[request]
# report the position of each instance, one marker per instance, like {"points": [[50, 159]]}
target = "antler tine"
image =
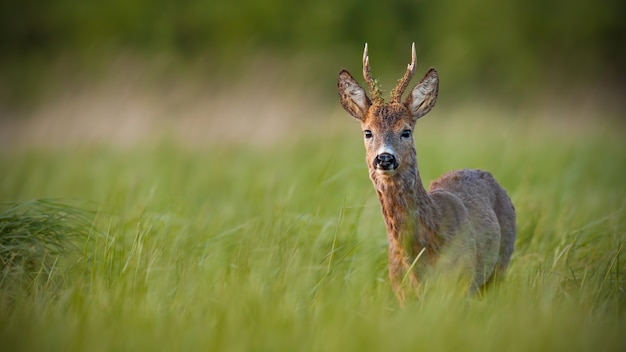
{"points": [[367, 74], [397, 92]]}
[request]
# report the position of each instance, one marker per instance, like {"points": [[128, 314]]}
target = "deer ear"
{"points": [[424, 95], [352, 97]]}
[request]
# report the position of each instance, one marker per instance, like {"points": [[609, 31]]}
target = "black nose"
{"points": [[385, 161]]}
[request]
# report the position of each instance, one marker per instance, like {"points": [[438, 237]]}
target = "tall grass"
{"points": [[234, 247], [37, 245]]}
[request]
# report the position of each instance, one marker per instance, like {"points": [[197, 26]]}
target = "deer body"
{"points": [[466, 218]]}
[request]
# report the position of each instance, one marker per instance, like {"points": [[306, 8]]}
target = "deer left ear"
{"points": [[352, 96], [424, 95]]}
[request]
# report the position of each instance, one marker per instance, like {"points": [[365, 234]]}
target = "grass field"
{"points": [[281, 246]]}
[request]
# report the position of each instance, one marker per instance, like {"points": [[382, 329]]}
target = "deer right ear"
{"points": [[352, 97], [424, 95]]}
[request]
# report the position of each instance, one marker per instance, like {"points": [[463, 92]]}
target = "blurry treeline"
{"points": [[504, 46]]}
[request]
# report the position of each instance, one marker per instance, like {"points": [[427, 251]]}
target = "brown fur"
{"points": [[466, 214]]}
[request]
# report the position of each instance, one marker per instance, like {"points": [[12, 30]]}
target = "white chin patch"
{"points": [[385, 172]]}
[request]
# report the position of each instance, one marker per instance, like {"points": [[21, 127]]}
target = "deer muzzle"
{"points": [[385, 162]]}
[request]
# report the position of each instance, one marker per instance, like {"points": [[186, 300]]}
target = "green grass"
{"points": [[282, 247]]}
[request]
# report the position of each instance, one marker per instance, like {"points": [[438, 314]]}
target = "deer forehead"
{"points": [[388, 117]]}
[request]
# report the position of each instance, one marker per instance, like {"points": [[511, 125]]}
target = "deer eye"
{"points": [[406, 134], [367, 134]]}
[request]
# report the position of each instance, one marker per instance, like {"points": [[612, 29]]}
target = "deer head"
{"points": [[388, 127]]}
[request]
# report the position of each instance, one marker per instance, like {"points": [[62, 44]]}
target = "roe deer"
{"points": [[466, 214]]}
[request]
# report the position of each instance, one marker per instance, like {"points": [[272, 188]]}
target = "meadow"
{"points": [[166, 245]]}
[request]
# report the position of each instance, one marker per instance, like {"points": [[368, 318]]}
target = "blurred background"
{"points": [[121, 71]]}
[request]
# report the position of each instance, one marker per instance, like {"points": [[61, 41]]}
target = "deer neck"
{"points": [[409, 212]]}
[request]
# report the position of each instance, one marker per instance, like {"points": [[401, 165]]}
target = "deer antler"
{"points": [[367, 74], [397, 92]]}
